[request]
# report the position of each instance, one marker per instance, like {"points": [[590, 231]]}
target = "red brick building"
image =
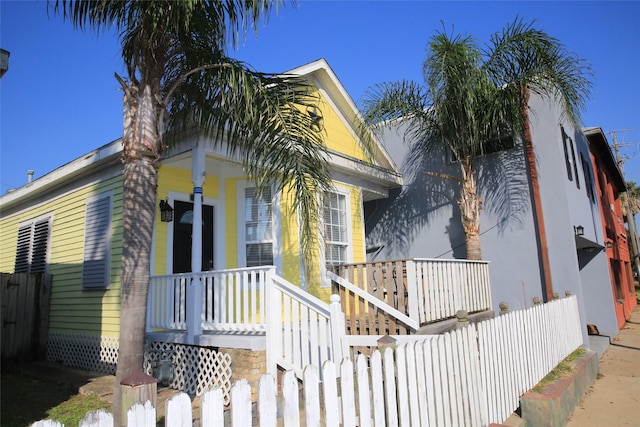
{"points": [[609, 183]]}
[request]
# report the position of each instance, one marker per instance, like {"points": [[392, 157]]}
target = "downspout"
{"points": [[536, 201]]}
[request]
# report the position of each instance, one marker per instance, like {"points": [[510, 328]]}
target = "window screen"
{"points": [[335, 228], [258, 227]]}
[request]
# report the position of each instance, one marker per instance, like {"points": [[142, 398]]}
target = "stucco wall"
{"points": [[423, 220]]}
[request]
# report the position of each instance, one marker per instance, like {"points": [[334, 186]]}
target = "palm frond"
{"points": [[263, 121], [526, 57]]}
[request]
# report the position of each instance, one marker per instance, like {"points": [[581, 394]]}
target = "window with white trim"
{"points": [[336, 240], [32, 249], [97, 242], [258, 226]]}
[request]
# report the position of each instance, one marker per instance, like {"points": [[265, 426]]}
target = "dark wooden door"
{"points": [[182, 227]]}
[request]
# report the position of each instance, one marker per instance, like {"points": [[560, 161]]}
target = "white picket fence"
{"points": [[473, 376]]}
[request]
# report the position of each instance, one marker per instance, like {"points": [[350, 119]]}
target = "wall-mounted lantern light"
{"points": [[579, 230], [609, 244], [166, 211]]}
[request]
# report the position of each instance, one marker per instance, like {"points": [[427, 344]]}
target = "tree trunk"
{"points": [[470, 206], [140, 154]]}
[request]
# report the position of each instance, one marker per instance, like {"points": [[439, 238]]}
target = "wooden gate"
{"points": [[25, 315]]}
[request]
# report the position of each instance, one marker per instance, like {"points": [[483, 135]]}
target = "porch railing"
{"points": [[302, 330], [392, 298], [426, 290], [221, 300]]}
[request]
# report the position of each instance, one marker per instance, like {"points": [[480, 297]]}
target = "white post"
{"points": [[198, 175], [337, 329], [274, 327], [412, 289], [194, 294]]}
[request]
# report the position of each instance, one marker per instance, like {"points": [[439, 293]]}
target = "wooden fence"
{"points": [[473, 376], [25, 302]]}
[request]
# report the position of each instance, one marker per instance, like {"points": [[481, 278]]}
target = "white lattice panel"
{"points": [[196, 369], [90, 352]]}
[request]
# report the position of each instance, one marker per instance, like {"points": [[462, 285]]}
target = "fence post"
{"points": [[536, 301], [412, 288], [337, 329], [385, 342], [137, 388], [463, 319], [504, 308]]}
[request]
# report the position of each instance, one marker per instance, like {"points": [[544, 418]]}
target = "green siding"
{"points": [[73, 310]]}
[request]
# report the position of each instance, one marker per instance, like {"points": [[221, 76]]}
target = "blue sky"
{"points": [[59, 99]]}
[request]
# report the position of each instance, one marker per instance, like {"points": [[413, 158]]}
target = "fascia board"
{"points": [[87, 163], [372, 173], [320, 71]]}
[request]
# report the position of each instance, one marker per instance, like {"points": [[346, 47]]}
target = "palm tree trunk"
{"points": [[140, 154], [470, 206]]}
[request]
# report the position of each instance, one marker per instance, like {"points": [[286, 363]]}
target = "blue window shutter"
{"points": [[97, 244]]}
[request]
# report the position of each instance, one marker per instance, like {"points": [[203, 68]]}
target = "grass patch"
{"points": [[25, 400], [564, 369], [73, 410]]}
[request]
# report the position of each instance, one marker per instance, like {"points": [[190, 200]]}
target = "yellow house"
{"points": [[68, 223]]}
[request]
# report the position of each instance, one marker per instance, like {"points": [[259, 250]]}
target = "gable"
{"points": [[340, 118], [339, 136]]}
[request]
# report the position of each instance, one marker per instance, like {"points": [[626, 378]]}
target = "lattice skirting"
{"points": [[89, 352], [195, 369]]}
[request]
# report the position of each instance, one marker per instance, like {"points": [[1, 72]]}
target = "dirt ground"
{"points": [[614, 397]]}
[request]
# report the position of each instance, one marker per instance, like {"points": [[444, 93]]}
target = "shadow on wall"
{"points": [[504, 185], [429, 196]]}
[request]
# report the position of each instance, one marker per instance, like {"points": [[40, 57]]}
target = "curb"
{"points": [[554, 405]]}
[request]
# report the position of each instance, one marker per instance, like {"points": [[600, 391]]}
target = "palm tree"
{"points": [[474, 97], [630, 207], [633, 194], [179, 79]]}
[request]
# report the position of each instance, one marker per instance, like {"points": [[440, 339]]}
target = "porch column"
{"points": [[194, 296]]}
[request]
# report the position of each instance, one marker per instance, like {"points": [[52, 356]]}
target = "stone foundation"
{"points": [[249, 365]]}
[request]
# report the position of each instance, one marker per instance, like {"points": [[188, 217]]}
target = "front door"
{"points": [[182, 225]]}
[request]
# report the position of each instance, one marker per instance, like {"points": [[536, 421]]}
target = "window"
{"points": [[33, 245], [258, 225], [588, 179], [335, 228], [97, 242], [567, 157], [570, 157], [575, 164]]}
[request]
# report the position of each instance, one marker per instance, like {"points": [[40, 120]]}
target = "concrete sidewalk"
{"points": [[614, 397]]}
